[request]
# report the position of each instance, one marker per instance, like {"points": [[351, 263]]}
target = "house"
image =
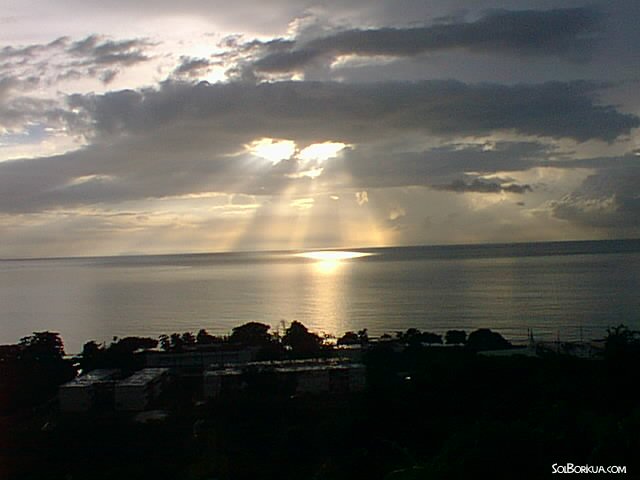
{"points": [[136, 392], [85, 391]]}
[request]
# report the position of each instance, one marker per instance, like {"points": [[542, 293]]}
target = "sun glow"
{"points": [[328, 261], [272, 149], [332, 256], [321, 151]]}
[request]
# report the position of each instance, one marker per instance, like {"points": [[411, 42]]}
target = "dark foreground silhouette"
{"points": [[433, 409]]}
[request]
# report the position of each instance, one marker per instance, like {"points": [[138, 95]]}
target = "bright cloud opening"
{"points": [[321, 151], [272, 149]]}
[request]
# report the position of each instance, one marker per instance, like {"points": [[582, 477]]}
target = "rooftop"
{"points": [[94, 376], [142, 377]]}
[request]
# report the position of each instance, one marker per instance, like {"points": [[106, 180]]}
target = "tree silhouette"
{"points": [[453, 337], [43, 346], [349, 338], [204, 338], [301, 341], [188, 338], [430, 338], [485, 339], [622, 344], [251, 334]]}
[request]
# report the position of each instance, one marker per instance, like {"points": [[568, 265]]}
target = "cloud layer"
{"points": [[317, 122], [568, 33]]}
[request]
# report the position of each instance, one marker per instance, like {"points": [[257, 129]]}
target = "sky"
{"points": [[202, 126]]}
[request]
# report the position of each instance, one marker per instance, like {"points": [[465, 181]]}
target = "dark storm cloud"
{"points": [[310, 111], [483, 186], [568, 33]]}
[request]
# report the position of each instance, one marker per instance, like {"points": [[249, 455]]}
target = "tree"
{"points": [[176, 341], [42, 367], [455, 337], [301, 341], [188, 338], [42, 346], [412, 335], [621, 343], [349, 338], [430, 338], [92, 356], [131, 344], [251, 334], [485, 339], [165, 342], [204, 338]]}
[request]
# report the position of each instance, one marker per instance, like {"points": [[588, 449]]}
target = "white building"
{"points": [[137, 391], [80, 394]]}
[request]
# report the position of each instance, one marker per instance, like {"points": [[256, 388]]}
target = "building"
{"points": [[217, 382], [140, 389], [87, 390], [292, 376], [197, 359]]}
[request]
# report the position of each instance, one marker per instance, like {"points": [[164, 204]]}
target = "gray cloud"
{"points": [[438, 166], [483, 186], [22, 53], [301, 110], [608, 200], [29, 67], [183, 138], [108, 76], [193, 67], [96, 50], [568, 33], [93, 57], [18, 110]]}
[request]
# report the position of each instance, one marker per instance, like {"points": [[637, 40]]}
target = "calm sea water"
{"points": [[568, 289]]}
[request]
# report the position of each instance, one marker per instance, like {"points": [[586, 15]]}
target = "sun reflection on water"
{"points": [[329, 276], [328, 261], [332, 255]]}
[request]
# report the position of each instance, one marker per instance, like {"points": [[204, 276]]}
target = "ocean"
{"points": [[565, 290]]}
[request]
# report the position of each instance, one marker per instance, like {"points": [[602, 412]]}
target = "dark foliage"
{"points": [[204, 338], [485, 339], [455, 337], [301, 341], [428, 413], [349, 338], [31, 371], [42, 346], [119, 354], [251, 334]]}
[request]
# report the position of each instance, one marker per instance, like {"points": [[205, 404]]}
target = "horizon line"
{"points": [[311, 249]]}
